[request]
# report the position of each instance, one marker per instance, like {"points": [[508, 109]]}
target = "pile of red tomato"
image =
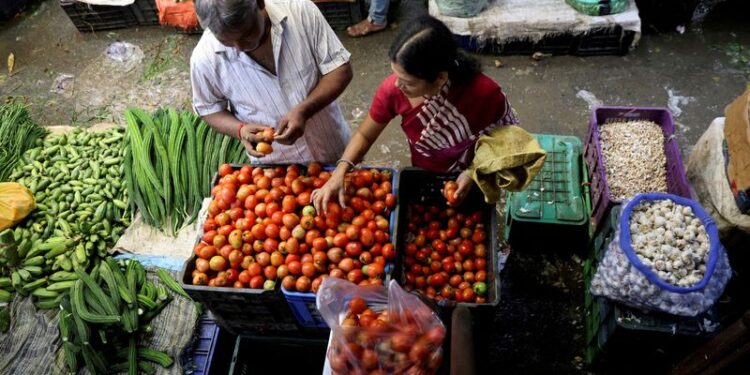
{"points": [[261, 229], [446, 254], [376, 342]]}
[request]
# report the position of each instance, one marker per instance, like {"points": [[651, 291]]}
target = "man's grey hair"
{"points": [[221, 16]]}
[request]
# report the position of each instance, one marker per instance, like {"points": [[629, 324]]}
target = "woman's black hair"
{"points": [[425, 47]]}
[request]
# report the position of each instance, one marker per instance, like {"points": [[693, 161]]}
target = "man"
{"points": [[273, 63]]}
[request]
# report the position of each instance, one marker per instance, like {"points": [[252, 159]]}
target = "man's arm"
{"points": [[329, 88]]}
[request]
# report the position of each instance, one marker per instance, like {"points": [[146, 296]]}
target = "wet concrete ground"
{"points": [[539, 326]]}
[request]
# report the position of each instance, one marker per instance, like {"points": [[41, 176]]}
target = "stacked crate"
{"points": [[555, 203]]}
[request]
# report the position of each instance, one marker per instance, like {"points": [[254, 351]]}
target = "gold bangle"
{"points": [[351, 165]]}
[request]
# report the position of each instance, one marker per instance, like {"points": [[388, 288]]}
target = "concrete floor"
{"points": [[699, 71]]}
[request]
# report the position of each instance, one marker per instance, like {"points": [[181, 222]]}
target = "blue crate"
{"points": [[209, 353], [303, 304]]}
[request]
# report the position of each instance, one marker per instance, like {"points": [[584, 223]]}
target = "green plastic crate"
{"points": [[605, 319], [557, 199]]}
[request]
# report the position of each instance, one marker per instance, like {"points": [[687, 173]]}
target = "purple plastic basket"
{"points": [[600, 196]]}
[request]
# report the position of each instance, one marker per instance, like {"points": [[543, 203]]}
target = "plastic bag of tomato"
{"points": [[375, 329], [262, 231]]}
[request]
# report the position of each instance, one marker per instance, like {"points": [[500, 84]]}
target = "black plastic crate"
{"points": [[9, 8], [340, 14], [610, 325], [146, 12], [242, 311], [420, 186], [88, 18], [259, 355], [598, 42]]}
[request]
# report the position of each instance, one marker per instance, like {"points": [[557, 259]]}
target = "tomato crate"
{"points": [[601, 201], [243, 311], [210, 353], [340, 13], [303, 304], [609, 325], [423, 187], [89, 18], [557, 202]]}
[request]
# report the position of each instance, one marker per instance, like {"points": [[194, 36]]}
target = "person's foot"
{"points": [[365, 27]]}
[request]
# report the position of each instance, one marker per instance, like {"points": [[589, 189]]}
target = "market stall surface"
{"points": [[67, 78]]}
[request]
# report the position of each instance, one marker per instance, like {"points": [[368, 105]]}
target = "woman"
{"points": [[444, 101]]}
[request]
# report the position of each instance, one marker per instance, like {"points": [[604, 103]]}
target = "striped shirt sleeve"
{"points": [[207, 98], [327, 49]]}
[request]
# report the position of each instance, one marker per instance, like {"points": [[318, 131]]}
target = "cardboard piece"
{"points": [[737, 134]]}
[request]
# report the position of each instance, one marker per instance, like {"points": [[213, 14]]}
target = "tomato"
{"points": [[455, 280], [270, 245], [436, 280], [353, 249], [468, 295], [207, 252], [352, 232], [388, 251], [374, 270], [288, 282], [271, 231], [200, 278], [307, 222], [466, 248], [269, 272], [308, 269], [314, 169], [448, 292], [302, 284], [263, 259], [304, 199], [357, 305], [225, 169], [235, 258], [276, 259], [247, 260], [256, 282], [202, 265], [478, 236], [367, 237], [235, 239], [217, 263], [355, 276], [295, 267], [271, 208], [346, 264]]}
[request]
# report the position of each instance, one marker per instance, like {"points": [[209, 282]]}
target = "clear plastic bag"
{"points": [[642, 280], [398, 333]]}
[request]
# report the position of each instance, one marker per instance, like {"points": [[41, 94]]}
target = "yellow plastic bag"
{"points": [[16, 201]]}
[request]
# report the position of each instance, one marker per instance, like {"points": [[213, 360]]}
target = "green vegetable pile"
{"points": [[106, 313], [169, 161], [82, 210], [17, 134]]}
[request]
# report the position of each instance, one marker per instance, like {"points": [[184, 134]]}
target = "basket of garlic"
{"points": [[665, 256]]}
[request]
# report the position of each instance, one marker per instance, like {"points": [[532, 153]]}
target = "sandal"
{"points": [[364, 27]]}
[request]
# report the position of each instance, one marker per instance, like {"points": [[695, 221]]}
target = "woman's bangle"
{"points": [[351, 165], [239, 130]]}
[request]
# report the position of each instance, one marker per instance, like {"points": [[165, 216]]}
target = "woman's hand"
{"points": [[465, 182], [334, 187]]}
